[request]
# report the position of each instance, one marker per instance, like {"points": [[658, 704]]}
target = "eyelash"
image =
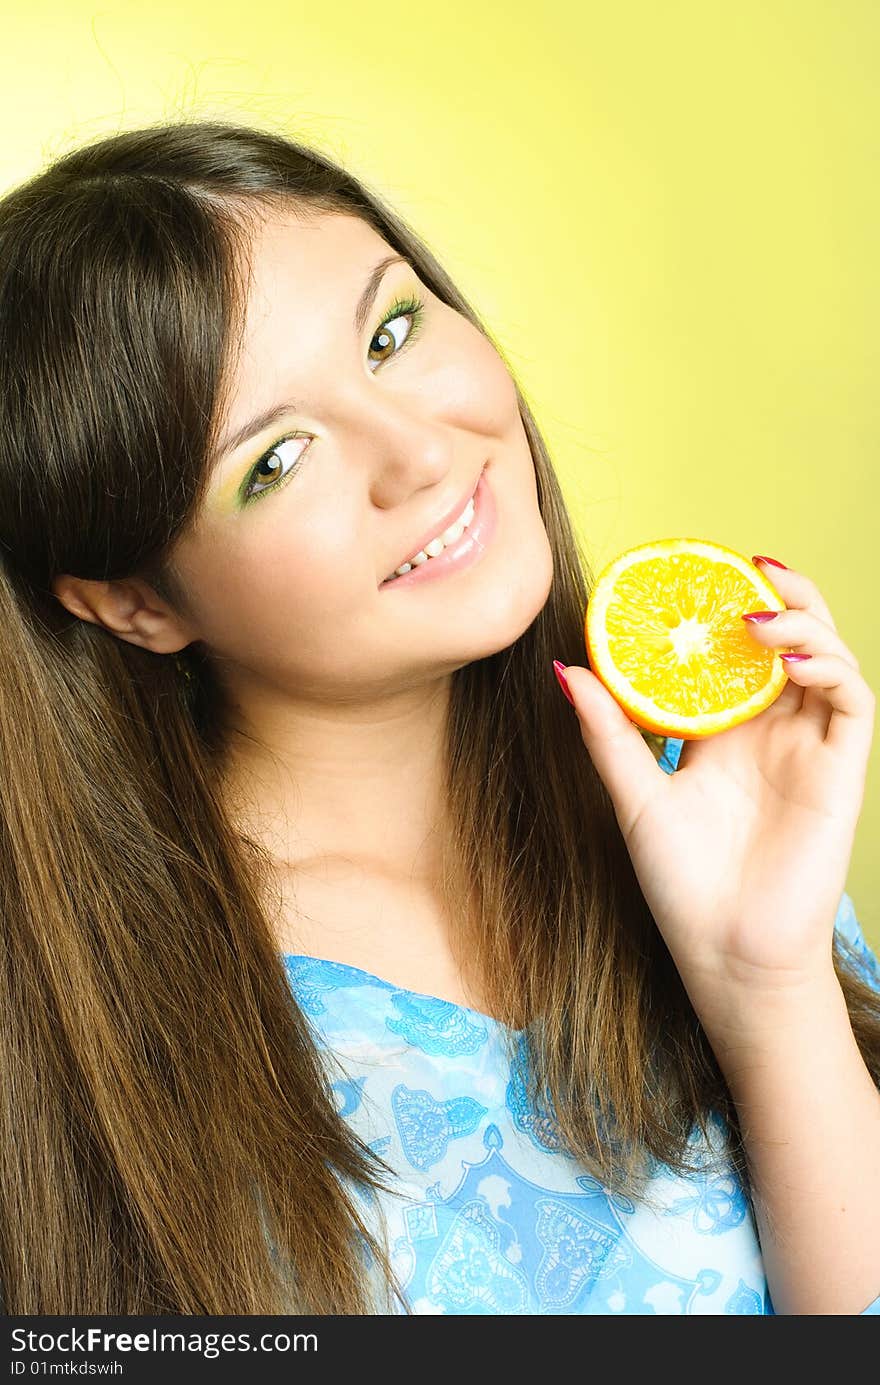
{"points": [[401, 307]]}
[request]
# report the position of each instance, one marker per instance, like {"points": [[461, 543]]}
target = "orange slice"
{"points": [[664, 634]]}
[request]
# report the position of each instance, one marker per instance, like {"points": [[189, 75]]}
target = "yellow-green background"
{"points": [[669, 214]]}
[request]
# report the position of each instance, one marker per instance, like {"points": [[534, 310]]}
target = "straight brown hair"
{"points": [[169, 1139]]}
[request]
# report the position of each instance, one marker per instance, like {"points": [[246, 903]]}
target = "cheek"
{"points": [[280, 588], [471, 386]]}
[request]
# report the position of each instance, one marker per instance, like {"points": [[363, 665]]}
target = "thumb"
{"points": [[622, 757]]}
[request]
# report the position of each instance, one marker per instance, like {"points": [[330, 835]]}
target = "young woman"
{"points": [[344, 968]]}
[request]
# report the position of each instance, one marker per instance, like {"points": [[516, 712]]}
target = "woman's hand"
{"points": [[742, 854]]}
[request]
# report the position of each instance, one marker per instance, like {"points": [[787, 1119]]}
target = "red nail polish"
{"points": [[759, 617], [795, 658], [558, 670], [758, 558]]}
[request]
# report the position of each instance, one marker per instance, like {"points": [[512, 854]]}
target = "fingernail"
{"points": [[795, 658], [760, 616], [558, 669], [758, 558]]}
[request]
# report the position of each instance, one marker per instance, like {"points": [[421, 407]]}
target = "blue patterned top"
{"points": [[490, 1214]]}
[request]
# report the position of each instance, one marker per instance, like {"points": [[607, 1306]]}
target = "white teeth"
{"points": [[454, 532], [436, 546]]}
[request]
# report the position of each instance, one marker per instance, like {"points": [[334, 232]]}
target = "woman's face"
{"points": [[398, 423]]}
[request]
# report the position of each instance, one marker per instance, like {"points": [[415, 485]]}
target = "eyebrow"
{"points": [[272, 415]]}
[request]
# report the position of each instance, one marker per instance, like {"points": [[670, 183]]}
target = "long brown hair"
{"points": [[169, 1141]]}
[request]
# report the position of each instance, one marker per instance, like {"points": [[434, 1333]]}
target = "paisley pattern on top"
{"points": [[489, 1214]]}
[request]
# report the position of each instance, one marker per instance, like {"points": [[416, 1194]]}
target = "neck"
{"points": [[359, 782]]}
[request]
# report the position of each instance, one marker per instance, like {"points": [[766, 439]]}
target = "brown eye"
{"points": [[264, 475], [386, 341], [273, 466], [404, 311]]}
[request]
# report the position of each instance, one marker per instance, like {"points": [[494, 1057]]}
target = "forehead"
{"points": [[304, 271], [309, 259]]}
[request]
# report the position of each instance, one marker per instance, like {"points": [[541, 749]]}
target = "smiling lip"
{"points": [[466, 550], [444, 524]]}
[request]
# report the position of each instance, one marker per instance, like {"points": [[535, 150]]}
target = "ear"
{"points": [[129, 608]]}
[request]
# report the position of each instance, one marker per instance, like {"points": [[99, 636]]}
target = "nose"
{"points": [[403, 449]]}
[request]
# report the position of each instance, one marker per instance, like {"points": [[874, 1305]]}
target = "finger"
{"points": [[851, 725], [802, 631], [797, 590], [622, 757]]}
